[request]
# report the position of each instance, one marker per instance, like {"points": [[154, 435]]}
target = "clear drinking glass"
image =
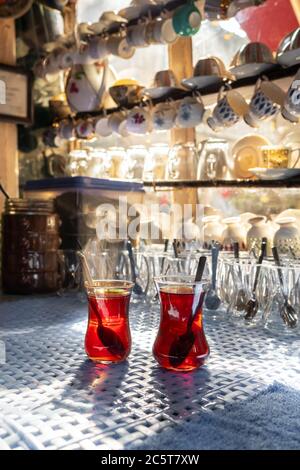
{"points": [[99, 164], [119, 160], [181, 343], [137, 154], [282, 298], [243, 275], [108, 336], [156, 162], [182, 162], [77, 163]]}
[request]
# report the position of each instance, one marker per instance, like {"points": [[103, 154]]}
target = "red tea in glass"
{"points": [[181, 343], [108, 336]]}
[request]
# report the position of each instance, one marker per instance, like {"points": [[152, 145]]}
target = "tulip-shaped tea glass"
{"points": [[181, 343], [108, 336]]}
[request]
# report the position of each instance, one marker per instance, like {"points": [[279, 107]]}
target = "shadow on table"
{"points": [[95, 385], [183, 392]]}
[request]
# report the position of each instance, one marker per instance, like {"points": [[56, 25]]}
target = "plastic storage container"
{"points": [[76, 200]]}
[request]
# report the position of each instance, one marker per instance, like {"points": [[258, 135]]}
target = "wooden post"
{"points": [[9, 166], [70, 17], [181, 62], [296, 7]]}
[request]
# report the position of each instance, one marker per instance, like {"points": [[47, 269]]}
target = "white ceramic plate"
{"points": [[275, 173], [245, 154], [201, 82], [249, 70]]}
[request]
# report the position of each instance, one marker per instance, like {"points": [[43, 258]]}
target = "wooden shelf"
{"points": [[159, 185]]}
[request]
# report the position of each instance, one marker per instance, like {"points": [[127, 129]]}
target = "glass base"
{"points": [[101, 361]]}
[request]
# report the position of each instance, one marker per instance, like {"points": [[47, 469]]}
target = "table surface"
{"points": [[53, 397]]}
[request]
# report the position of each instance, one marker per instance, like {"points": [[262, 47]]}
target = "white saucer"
{"points": [[289, 58], [160, 92], [275, 173], [250, 70], [246, 154], [201, 82]]}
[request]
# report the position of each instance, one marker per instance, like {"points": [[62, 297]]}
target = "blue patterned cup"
{"points": [[228, 111], [190, 112], [265, 104], [291, 107]]}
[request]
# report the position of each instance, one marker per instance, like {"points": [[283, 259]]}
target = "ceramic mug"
{"points": [[66, 129], [164, 115], [187, 19], [117, 122], [120, 47], [291, 107], [66, 59], [165, 78], [139, 120], [266, 102], [137, 35], [190, 112], [160, 31], [278, 156], [102, 128], [85, 129], [229, 109], [95, 50], [60, 59]]}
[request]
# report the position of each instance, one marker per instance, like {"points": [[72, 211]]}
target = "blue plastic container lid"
{"points": [[83, 182]]}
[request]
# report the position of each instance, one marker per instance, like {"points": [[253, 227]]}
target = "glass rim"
{"points": [[284, 268], [177, 279], [109, 283]]}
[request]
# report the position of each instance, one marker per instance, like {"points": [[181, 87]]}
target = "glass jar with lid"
{"points": [[156, 162], [99, 164], [182, 162], [30, 242]]}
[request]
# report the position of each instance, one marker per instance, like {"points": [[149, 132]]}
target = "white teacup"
{"points": [[164, 115], [137, 35], [102, 128], [85, 129], [229, 109], [291, 107], [120, 47], [266, 102], [161, 31], [117, 121], [190, 112], [66, 129], [139, 120]]}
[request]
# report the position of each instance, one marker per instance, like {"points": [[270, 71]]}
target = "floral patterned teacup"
{"points": [[190, 112], [164, 115], [139, 120]]}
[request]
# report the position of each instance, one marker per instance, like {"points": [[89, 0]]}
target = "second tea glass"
{"points": [[181, 344]]}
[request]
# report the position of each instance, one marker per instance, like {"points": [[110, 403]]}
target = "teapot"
{"points": [[86, 86]]}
